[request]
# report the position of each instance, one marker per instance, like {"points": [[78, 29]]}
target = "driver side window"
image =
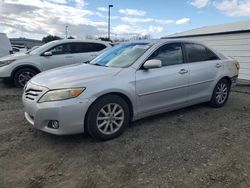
{"points": [[60, 49], [169, 54]]}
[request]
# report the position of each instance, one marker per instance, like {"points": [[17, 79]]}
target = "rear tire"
{"points": [[22, 76], [107, 118], [220, 94]]}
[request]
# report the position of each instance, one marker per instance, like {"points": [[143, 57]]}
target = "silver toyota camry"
{"points": [[128, 82]]}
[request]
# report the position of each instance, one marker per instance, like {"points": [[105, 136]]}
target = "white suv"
{"points": [[20, 68]]}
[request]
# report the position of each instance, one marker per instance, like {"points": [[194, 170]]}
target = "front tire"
{"points": [[22, 76], [107, 118], [220, 94]]}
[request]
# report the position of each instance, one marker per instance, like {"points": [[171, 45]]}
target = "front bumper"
{"points": [[5, 71], [69, 113]]}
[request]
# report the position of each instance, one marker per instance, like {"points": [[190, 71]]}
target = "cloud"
{"points": [[58, 1], [183, 21], [37, 18], [199, 3], [234, 7], [145, 20], [103, 9], [155, 29], [80, 3], [132, 12], [133, 21], [47, 17], [128, 30]]}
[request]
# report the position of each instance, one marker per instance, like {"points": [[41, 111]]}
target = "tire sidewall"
{"points": [[214, 102], [94, 110], [16, 75]]}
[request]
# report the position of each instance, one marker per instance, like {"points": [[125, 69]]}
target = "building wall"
{"points": [[234, 45]]}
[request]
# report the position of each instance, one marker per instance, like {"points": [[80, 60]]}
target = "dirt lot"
{"points": [[194, 147]]}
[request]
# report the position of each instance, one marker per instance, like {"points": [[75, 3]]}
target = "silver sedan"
{"points": [[128, 82]]}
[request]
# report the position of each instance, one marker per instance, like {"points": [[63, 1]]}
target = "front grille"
{"points": [[33, 92]]}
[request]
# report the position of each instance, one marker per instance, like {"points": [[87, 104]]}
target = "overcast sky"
{"points": [[37, 18]]}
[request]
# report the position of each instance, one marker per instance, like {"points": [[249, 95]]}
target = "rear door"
{"points": [[166, 87], [205, 68], [61, 56], [86, 51]]}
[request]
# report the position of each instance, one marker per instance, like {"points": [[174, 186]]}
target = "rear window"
{"points": [[197, 53], [211, 55]]}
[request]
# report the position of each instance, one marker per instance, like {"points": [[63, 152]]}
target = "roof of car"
{"points": [[160, 41], [79, 40]]}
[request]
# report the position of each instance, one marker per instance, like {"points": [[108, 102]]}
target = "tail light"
{"points": [[237, 65]]}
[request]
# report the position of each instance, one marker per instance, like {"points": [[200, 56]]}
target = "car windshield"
{"points": [[122, 55]]}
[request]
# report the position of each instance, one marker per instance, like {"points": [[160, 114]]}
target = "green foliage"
{"points": [[50, 38], [104, 39]]}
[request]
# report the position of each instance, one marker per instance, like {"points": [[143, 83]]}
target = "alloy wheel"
{"points": [[24, 77], [110, 118], [221, 93]]}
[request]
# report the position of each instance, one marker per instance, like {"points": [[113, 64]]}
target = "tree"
{"points": [[105, 39], [50, 38]]}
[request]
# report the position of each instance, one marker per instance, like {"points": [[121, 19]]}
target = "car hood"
{"points": [[16, 56], [73, 76]]}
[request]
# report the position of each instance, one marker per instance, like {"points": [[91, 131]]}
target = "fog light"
{"points": [[54, 124]]}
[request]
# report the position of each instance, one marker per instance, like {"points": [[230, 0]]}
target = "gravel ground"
{"points": [[194, 147]]}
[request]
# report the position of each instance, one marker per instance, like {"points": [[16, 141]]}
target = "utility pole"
{"points": [[110, 6], [66, 31]]}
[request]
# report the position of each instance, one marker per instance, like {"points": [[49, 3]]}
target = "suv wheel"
{"points": [[22, 76], [220, 94], [107, 117]]}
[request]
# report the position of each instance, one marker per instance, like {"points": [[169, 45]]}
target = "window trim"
{"points": [[182, 49], [42, 54], [206, 48]]}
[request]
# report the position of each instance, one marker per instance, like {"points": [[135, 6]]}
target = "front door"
{"points": [[166, 87], [61, 56]]}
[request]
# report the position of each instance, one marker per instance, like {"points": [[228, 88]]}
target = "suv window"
{"points": [[197, 52], [169, 54], [60, 49], [97, 47], [79, 47], [86, 47]]}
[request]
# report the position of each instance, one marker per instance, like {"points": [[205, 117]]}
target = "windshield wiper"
{"points": [[99, 65]]}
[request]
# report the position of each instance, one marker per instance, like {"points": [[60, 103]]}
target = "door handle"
{"points": [[69, 56], [183, 71], [218, 65]]}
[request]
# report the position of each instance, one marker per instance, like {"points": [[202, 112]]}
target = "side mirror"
{"points": [[151, 64], [47, 54]]}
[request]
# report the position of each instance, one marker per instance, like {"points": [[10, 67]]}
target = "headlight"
{"points": [[61, 94], [6, 62]]}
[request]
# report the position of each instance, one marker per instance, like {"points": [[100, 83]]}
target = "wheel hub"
{"points": [[110, 118]]}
